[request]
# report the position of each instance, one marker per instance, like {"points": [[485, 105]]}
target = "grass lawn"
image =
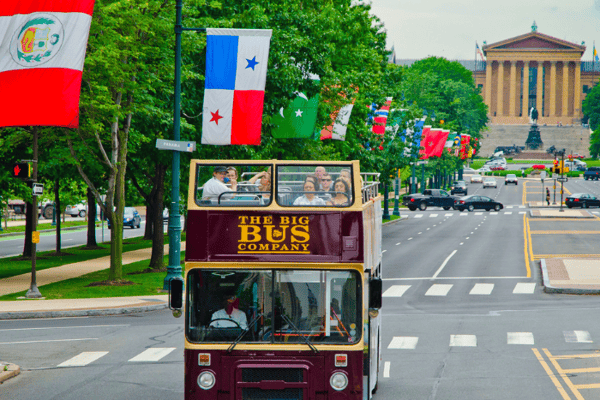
{"points": [[15, 266], [46, 226], [392, 218], [143, 284]]}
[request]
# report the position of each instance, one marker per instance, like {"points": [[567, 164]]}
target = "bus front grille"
{"points": [[277, 394], [273, 374]]}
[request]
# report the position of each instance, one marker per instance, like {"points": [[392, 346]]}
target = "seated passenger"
{"points": [[230, 311], [342, 193], [345, 174], [309, 198], [216, 185], [232, 175], [264, 185]]}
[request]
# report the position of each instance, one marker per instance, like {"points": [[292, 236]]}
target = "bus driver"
{"points": [[230, 311]]}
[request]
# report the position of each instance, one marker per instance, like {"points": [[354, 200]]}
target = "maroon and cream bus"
{"points": [[282, 281]]}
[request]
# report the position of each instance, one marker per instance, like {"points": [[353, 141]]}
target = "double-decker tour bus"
{"points": [[282, 281]]}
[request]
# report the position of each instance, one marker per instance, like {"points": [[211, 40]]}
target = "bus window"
{"points": [[314, 186], [265, 306], [233, 185]]}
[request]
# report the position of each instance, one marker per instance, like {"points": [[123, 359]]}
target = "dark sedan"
{"points": [[583, 200], [477, 203], [131, 218], [459, 187]]}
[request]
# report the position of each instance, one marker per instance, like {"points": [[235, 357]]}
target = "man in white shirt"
{"points": [[230, 311], [216, 185]]}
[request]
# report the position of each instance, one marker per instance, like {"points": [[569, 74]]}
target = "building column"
{"points": [[513, 89], [565, 90], [552, 89], [540, 88], [500, 106], [488, 86], [525, 109], [577, 91]]}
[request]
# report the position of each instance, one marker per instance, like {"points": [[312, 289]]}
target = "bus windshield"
{"points": [[274, 306]]}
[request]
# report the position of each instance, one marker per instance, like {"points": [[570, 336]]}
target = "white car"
{"points": [[476, 179], [78, 210], [511, 178], [489, 182], [484, 169]]}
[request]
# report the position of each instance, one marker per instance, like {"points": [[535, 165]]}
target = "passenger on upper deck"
{"points": [[319, 173], [262, 185], [216, 185], [345, 174], [230, 311], [326, 182], [342, 193], [232, 175], [309, 198]]}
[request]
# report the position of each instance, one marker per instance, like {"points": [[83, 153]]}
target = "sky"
{"points": [[443, 28]]}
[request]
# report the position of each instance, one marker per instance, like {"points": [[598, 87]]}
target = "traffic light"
{"points": [[556, 168], [20, 170]]}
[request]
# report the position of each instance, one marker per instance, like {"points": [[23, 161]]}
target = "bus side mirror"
{"points": [[375, 293], [176, 296]]}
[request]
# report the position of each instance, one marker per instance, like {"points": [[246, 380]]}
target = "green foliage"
{"points": [[595, 143], [591, 108]]}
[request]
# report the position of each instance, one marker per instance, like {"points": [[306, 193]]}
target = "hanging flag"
{"points": [[433, 141], [414, 136], [464, 143], [450, 140], [298, 120], [596, 54], [340, 118], [42, 50], [479, 51], [381, 116], [234, 88]]}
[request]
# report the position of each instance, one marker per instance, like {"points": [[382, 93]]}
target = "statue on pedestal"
{"points": [[533, 115]]}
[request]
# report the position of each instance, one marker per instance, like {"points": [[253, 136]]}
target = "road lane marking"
{"points": [[428, 228], [509, 206], [524, 288], [478, 213], [451, 215], [419, 216], [439, 289], [419, 233], [386, 369], [494, 213], [396, 291], [553, 377], [443, 264], [461, 243], [49, 341], [153, 354], [519, 338], [463, 214], [578, 337], [482, 289], [409, 238], [83, 359], [398, 244], [383, 251], [432, 215], [463, 341], [508, 213], [563, 374], [525, 247], [404, 342], [63, 327]]}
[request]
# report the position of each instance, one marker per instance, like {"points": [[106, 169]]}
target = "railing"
{"points": [[370, 185]]}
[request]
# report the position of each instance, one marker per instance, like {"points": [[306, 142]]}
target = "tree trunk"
{"points": [[27, 249], [148, 230], [158, 236], [57, 214], [91, 231]]}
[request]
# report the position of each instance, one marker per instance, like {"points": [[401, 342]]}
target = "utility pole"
{"points": [[33, 292], [396, 211]]}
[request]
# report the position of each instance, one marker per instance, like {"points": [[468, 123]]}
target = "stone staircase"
{"points": [[575, 138]]}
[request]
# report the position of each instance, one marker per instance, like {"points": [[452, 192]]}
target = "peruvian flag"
{"points": [[234, 88], [42, 50], [432, 141]]}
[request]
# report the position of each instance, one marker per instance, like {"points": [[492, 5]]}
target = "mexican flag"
{"points": [[42, 50], [298, 120]]}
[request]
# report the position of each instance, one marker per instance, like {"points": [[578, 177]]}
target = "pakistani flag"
{"points": [[298, 120]]}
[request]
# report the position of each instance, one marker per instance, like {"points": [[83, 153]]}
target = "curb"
{"points": [[589, 216], [395, 221], [82, 313], [554, 289], [70, 228], [12, 371]]}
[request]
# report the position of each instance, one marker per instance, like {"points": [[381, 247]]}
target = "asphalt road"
{"points": [[465, 317]]}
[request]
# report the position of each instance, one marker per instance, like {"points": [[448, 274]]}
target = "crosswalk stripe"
{"points": [[521, 206], [523, 212], [463, 341], [482, 288], [524, 288], [494, 213], [439, 289], [404, 342], [432, 215], [153, 354], [508, 213], [83, 359], [396, 291], [519, 338], [419, 216], [448, 215], [478, 213], [578, 337], [509, 206], [463, 214]]}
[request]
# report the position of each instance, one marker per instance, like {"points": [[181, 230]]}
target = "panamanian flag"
{"points": [[234, 89], [42, 51]]}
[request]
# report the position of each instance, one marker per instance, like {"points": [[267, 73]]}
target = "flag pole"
{"points": [[475, 67]]}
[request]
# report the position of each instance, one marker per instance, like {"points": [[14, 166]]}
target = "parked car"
{"points": [[484, 169], [511, 178], [489, 182], [476, 179], [498, 168], [469, 170], [477, 202], [583, 200], [131, 218], [576, 156], [459, 187]]}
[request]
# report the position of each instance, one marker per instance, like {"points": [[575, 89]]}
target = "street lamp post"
{"points": [[396, 211]]}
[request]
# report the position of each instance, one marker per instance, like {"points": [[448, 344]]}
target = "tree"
{"points": [[591, 107], [595, 143]]}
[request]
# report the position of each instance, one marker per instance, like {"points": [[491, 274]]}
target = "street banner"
{"points": [[234, 88], [298, 120], [42, 51], [432, 141], [381, 116], [414, 135], [450, 139]]}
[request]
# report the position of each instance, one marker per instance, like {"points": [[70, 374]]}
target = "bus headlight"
{"points": [[206, 380], [338, 381]]}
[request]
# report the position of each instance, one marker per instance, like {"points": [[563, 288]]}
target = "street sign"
{"points": [[422, 162], [176, 145], [543, 175], [35, 237], [38, 189], [562, 179]]}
